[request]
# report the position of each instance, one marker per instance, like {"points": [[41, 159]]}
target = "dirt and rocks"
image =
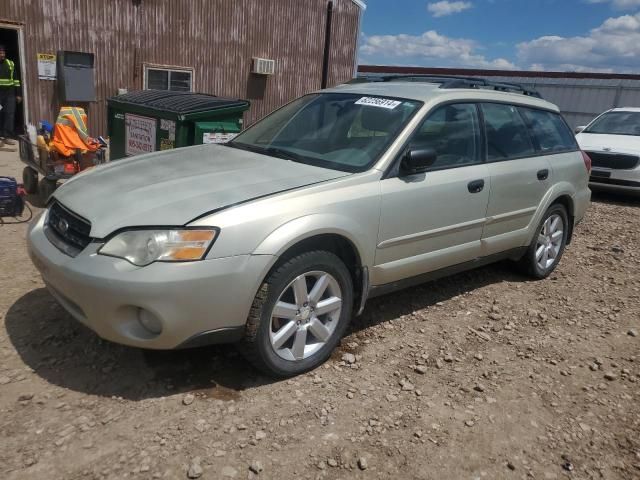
{"points": [[485, 375]]}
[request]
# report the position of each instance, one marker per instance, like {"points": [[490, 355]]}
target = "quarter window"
{"points": [[549, 131], [507, 134], [453, 132]]}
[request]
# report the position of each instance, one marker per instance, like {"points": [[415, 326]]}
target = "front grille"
{"points": [[70, 232], [616, 161]]}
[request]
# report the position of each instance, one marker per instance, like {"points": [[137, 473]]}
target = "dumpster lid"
{"points": [[182, 103]]}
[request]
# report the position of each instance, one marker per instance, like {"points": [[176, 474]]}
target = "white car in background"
{"points": [[612, 141]]}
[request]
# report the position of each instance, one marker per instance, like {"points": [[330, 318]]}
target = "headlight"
{"points": [[142, 247]]}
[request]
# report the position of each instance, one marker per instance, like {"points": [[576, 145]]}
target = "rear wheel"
{"points": [[30, 180], [299, 314], [547, 247]]}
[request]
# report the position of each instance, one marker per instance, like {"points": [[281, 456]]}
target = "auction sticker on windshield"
{"points": [[378, 102]]}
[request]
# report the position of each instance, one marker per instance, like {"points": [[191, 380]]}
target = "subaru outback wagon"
{"points": [[276, 239]]}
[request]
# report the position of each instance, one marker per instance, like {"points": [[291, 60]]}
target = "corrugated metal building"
{"points": [[580, 96], [200, 45]]}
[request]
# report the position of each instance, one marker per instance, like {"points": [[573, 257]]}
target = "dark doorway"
{"points": [[9, 38]]}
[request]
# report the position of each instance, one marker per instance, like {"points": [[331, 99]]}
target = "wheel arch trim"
{"points": [[302, 229], [563, 193]]}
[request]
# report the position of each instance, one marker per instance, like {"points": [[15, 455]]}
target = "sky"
{"points": [[551, 35]]}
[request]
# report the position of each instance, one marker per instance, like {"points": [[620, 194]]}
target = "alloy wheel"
{"points": [[549, 241], [305, 315]]}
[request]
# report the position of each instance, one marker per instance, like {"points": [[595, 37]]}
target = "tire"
{"points": [[270, 342], [532, 263], [30, 180], [46, 188]]}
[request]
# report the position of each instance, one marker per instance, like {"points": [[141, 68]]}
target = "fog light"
{"points": [[149, 321]]}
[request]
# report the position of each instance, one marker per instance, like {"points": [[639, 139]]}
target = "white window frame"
{"points": [[167, 68]]}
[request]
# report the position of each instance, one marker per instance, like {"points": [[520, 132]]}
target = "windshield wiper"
{"points": [[271, 151], [611, 133], [281, 153], [245, 146]]}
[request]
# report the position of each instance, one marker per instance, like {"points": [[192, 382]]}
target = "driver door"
{"points": [[435, 219]]}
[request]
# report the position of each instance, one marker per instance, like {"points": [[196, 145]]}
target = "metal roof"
{"points": [[474, 72]]}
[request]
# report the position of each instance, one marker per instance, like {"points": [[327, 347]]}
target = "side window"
{"points": [[507, 135], [453, 132], [174, 79], [549, 131]]}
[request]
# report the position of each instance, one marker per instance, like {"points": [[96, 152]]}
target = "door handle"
{"points": [[543, 174], [476, 186]]}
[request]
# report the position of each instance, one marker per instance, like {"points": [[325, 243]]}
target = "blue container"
{"points": [[11, 203]]}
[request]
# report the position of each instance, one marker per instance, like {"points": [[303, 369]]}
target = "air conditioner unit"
{"points": [[263, 66]]}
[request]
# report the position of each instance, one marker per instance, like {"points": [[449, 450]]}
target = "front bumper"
{"points": [[615, 180], [191, 300]]}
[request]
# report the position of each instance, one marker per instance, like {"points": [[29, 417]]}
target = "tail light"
{"points": [[70, 167], [20, 190], [587, 161]]}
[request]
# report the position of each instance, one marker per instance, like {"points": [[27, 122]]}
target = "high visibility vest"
{"points": [[71, 134], [10, 82]]}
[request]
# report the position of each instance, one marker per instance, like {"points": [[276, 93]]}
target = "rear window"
{"points": [[507, 135], [549, 131]]}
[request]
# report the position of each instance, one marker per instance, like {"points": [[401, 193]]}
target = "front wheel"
{"points": [[299, 314], [547, 247]]}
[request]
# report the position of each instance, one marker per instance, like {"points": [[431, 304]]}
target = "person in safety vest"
{"points": [[10, 95], [71, 133]]}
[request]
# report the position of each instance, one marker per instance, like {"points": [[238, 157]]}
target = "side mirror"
{"points": [[418, 161], [579, 129]]}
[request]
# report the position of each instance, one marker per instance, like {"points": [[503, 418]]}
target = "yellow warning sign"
{"points": [[46, 66]]}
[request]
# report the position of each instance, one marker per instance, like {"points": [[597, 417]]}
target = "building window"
{"points": [[174, 79]]}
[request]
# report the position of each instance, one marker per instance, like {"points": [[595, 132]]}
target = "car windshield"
{"points": [[340, 131], [616, 123]]}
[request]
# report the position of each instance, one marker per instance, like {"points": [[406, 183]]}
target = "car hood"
{"points": [[598, 142], [172, 188]]}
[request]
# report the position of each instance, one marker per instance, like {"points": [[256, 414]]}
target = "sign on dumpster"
{"points": [[217, 137], [140, 134]]}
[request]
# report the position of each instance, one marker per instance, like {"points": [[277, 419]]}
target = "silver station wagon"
{"points": [[276, 239]]}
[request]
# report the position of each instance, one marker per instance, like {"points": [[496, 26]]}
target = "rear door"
{"points": [[433, 220], [520, 177], [554, 139]]}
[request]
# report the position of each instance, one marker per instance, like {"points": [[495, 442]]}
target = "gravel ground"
{"points": [[485, 375]]}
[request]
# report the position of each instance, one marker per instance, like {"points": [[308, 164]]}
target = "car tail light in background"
{"points": [[70, 167], [587, 161]]}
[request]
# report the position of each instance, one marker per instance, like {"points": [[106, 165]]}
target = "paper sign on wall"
{"points": [[140, 134], [46, 66]]}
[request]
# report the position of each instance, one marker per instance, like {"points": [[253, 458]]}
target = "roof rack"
{"points": [[454, 81]]}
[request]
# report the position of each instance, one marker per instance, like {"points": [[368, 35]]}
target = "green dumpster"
{"points": [[151, 120]]}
